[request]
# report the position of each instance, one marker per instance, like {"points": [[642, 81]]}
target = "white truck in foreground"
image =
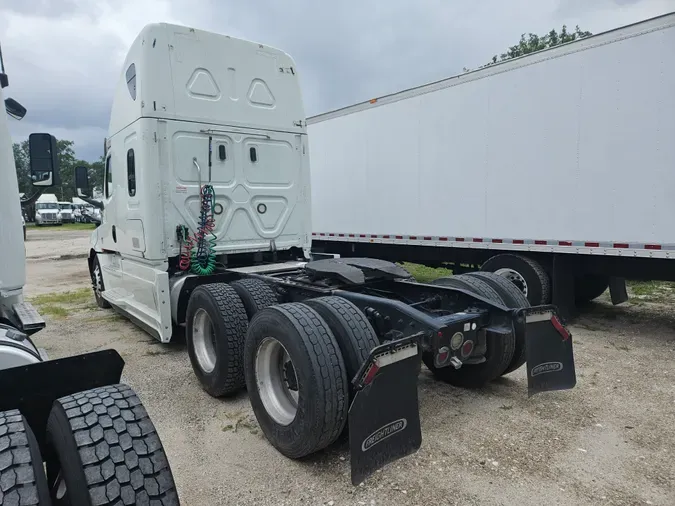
{"points": [[206, 225], [553, 170], [70, 432]]}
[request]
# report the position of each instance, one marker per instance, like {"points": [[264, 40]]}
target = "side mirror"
{"points": [[44, 160], [81, 178], [14, 109]]}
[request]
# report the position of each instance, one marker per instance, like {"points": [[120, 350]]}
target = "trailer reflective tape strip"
{"points": [[646, 250]]}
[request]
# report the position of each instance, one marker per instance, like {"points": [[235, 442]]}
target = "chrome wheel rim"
{"points": [[204, 340], [277, 381], [514, 277], [98, 281]]}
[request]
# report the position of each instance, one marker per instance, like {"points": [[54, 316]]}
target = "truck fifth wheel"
{"points": [[206, 224]]}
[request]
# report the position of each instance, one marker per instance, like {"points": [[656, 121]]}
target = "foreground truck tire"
{"points": [[22, 475], [107, 451], [527, 274], [296, 379], [216, 329], [500, 347]]}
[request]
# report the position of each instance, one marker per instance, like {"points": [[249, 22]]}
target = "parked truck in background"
{"points": [[70, 432], [47, 211], [553, 169], [206, 225]]}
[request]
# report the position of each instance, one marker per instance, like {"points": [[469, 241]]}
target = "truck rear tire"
{"points": [[500, 347], [97, 284], [514, 299], [107, 451], [22, 475], [296, 379], [527, 274], [353, 332], [255, 295], [216, 325], [589, 286]]}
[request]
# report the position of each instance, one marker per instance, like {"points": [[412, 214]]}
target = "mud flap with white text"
{"points": [[384, 419], [550, 357]]}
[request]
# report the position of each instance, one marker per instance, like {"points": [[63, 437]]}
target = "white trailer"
{"points": [[206, 230], [556, 162], [70, 432]]}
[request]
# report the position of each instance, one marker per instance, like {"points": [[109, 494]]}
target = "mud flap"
{"points": [[550, 358], [384, 418]]}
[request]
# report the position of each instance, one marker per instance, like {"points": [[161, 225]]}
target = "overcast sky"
{"points": [[64, 57]]}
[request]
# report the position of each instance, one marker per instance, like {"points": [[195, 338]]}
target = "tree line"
{"points": [[64, 191]]}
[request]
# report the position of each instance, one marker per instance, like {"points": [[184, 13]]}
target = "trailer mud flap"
{"points": [[550, 357], [384, 419]]}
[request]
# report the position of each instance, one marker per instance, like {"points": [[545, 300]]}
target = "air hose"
{"points": [[199, 255]]}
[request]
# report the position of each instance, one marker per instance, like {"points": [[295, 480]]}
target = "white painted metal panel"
{"points": [[576, 143]]}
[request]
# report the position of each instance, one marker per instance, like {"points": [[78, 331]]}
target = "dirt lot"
{"points": [[610, 441]]}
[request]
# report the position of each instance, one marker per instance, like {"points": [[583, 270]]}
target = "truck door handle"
{"points": [[114, 234]]}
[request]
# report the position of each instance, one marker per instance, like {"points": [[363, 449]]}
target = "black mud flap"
{"points": [[32, 389], [384, 418], [550, 358]]}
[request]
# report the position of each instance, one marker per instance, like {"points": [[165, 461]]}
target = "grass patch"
{"points": [[53, 310], [73, 297], [651, 291], [425, 274], [65, 226]]}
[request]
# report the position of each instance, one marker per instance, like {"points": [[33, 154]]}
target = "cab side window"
{"points": [[108, 178], [131, 173]]}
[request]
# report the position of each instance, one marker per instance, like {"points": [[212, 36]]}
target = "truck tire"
{"points": [[22, 475], [514, 299], [97, 284], [527, 274], [500, 347], [353, 332], [107, 451], [296, 379], [589, 286], [255, 295], [215, 333]]}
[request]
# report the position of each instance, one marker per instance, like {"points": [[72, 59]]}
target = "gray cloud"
{"points": [[64, 56]]}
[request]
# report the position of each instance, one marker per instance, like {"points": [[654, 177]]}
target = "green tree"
{"points": [[532, 43]]}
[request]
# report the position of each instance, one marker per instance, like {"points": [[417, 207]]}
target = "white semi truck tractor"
{"points": [[206, 225], [70, 432]]}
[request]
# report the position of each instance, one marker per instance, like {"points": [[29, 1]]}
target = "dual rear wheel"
{"points": [[296, 360]]}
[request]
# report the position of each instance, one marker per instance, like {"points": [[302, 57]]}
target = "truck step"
{"points": [[117, 296], [31, 321]]}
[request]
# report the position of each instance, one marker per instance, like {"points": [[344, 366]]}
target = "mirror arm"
{"points": [[26, 201], [96, 203]]}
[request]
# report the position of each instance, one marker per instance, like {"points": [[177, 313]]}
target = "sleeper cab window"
{"points": [[131, 80], [131, 173]]}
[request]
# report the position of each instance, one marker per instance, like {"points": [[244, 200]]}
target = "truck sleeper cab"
{"points": [[206, 225]]}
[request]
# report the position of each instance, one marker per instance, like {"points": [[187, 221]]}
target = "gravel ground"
{"points": [[610, 441]]}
